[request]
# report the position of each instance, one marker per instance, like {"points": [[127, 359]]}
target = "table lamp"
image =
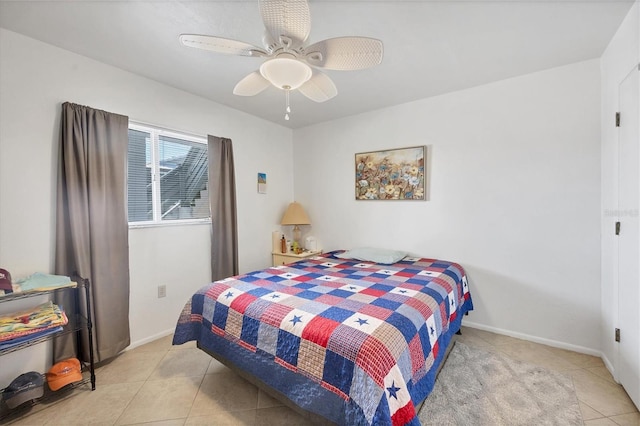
{"points": [[295, 215]]}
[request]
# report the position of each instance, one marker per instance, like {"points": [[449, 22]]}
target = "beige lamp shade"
{"points": [[295, 215]]}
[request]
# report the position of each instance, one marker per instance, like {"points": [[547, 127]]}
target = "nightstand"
{"points": [[290, 257]]}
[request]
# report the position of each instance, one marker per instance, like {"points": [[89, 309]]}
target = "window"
{"points": [[167, 176]]}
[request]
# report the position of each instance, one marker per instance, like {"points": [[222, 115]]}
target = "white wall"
{"points": [[620, 57], [35, 79], [514, 196]]}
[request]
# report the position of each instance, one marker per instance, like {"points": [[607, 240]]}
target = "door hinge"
{"points": [[617, 334], [617, 228], [617, 119]]}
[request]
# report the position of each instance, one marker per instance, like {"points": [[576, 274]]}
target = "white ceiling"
{"points": [[431, 47]]}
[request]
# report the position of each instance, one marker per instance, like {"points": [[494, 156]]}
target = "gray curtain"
{"points": [[91, 222], [222, 197]]}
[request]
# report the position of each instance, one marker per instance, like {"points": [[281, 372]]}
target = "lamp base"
{"points": [[297, 234]]}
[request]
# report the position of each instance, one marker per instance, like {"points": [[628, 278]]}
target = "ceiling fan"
{"points": [[289, 58]]}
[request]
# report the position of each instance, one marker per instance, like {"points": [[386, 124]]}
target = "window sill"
{"points": [[185, 222]]}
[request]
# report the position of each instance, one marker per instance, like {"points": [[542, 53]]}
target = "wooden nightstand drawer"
{"points": [[285, 258]]}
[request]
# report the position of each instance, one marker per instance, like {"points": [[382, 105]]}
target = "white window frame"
{"points": [[155, 132]]}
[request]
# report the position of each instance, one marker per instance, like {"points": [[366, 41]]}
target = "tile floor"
{"points": [[161, 384]]}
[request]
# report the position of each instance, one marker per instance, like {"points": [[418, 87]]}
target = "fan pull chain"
{"points": [[287, 89]]}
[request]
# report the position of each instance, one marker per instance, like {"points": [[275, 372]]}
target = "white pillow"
{"points": [[376, 255]]}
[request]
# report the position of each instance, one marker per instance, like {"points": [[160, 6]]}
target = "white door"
{"points": [[628, 369]]}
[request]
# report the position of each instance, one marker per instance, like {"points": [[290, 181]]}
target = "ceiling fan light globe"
{"points": [[286, 72]]}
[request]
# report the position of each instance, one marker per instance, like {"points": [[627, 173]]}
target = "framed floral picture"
{"points": [[394, 174]]}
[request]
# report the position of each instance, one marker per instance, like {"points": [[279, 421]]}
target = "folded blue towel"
{"points": [[40, 281]]}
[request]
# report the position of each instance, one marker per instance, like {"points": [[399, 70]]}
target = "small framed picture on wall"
{"points": [[262, 183]]}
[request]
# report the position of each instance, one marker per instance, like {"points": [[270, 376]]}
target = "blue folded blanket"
{"points": [[19, 340]]}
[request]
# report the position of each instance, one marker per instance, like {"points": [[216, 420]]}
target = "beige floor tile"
{"points": [[173, 422], [27, 421], [224, 418], [162, 400], [224, 391], [216, 366], [632, 419], [30, 419], [188, 345], [589, 413], [29, 416], [601, 372], [266, 401], [495, 339], [468, 331], [100, 407], [187, 362], [600, 422], [129, 367], [528, 349], [61, 396], [161, 344], [603, 396], [281, 416], [581, 360]]}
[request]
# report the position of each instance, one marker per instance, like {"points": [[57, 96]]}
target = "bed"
{"points": [[351, 341]]}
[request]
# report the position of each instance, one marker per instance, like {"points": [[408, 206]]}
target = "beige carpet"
{"points": [[477, 388]]}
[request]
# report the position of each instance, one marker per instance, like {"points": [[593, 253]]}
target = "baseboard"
{"points": [[149, 339], [535, 339], [610, 367]]}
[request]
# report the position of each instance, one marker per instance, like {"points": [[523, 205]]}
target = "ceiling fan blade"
{"points": [[251, 85], [345, 53], [221, 45], [319, 88], [288, 21]]}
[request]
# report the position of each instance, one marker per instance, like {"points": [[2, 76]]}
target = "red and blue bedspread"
{"points": [[355, 342]]}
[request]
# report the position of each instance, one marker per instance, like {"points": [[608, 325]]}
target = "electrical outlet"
{"points": [[162, 291]]}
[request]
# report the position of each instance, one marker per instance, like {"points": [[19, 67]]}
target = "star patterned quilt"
{"points": [[355, 342]]}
